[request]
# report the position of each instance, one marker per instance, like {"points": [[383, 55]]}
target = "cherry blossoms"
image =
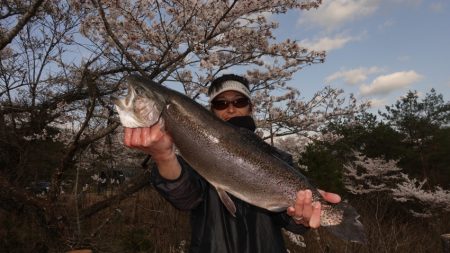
{"points": [[191, 41], [366, 175]]}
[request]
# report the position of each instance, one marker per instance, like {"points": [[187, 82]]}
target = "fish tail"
{"points": [[349, 228]]}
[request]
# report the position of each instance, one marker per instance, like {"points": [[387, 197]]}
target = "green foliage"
{"points": [[424, 125], [418, 120], [440, 155], [368, 136], [324, 168], [414, 133]]}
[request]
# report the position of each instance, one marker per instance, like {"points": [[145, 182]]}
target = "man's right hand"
{"points": [[157, 143], [152, 140]]}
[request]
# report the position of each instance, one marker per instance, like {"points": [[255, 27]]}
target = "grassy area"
{"points": [[146, 223]]}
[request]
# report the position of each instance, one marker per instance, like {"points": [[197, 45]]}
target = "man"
{"points": [[214, 229]]}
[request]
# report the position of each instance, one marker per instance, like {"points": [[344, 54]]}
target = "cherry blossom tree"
{"points": [[366, 175], [18, 12], [431, 202], [62, 60], [289, 115]]}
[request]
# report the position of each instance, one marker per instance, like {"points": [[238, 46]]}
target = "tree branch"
{"points": [[114, 38], [8, 37], [137, 183]]}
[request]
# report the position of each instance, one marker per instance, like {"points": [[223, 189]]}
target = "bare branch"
{"points": [[130, 58], [8, 37]]}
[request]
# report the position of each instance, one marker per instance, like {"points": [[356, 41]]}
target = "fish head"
{"points": [[141, 107]]}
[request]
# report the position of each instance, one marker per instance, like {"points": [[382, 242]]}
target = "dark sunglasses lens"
{"points": [[240, 102], [223, 104], [219, 104]]}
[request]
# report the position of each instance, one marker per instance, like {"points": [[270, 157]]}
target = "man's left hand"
{"points": [[306, 212]]}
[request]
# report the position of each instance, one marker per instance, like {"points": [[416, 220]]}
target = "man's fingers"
{"points": [[307, 208], [299, 203], [146, 139], [314, 221], [290, 211], [127, 136], [136, 137], [330, 197]]}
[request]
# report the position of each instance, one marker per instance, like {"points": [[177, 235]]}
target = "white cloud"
{"points": [[353, 76], [334, 13], [383, 85], [377, 103], [328, 43], [420, 94]]}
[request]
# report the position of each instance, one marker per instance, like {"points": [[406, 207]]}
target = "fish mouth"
{"points": [[139, 108], [116, 100]]}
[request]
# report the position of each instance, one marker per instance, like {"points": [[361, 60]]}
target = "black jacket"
{"points": [[214, 229]]}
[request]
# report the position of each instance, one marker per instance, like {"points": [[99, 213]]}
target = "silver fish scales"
{"points": [[233, 160]]}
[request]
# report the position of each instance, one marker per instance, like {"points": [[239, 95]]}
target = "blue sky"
{"points": [[376, 49]]}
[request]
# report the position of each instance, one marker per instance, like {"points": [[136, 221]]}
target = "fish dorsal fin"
{"points": [[226, 200]]}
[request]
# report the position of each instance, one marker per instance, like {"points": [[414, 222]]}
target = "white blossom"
{"points": [[367, 175], [413, 190]]}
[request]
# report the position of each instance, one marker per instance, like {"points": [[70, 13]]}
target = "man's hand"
{"points": [[152, 140], [157, 143], [306, 212]]}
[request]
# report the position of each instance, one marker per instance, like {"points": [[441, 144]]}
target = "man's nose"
{"points": [[231, 108]]}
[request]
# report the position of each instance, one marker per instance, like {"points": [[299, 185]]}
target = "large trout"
{"points": [[233, 160]]}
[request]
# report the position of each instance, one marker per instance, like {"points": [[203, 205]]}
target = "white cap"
{"points": [[230, 85]]}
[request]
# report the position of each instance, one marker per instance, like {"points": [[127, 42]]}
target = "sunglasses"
{"points": [[223, 104]]}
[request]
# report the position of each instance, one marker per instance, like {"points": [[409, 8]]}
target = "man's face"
{"points": [[231, 111]]}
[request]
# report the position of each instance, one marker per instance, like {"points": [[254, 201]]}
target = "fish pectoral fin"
{"points": [[226, 200]]}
